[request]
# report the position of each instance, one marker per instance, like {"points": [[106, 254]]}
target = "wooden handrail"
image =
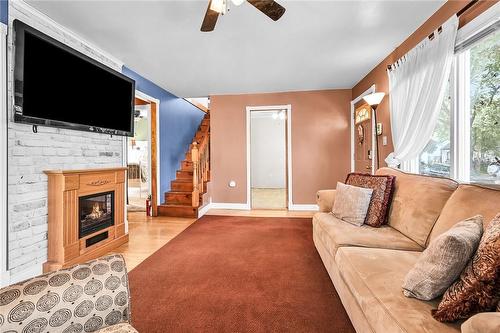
{"points": [[200, 156]]}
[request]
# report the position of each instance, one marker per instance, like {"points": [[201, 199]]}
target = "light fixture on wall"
{"points": [[374, 100], [281, 115]]}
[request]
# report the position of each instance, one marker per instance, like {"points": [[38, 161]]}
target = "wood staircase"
{"points": [[185, 197]]}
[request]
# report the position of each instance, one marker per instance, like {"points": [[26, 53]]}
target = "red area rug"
{"points": [[237, 274]]}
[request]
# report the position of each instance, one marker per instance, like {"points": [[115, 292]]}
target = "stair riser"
{"points": [[184, 174], [177, 211], [177, 186], [178, 199], [186, 165]]}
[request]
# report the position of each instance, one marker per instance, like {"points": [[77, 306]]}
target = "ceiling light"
{"points": [[237, 2], [218, 6]]}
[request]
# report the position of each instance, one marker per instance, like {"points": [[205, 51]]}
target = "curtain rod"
{"points": [[440, 28]]}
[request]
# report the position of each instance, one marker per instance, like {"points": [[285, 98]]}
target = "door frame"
{"points": [[288, 141], [4, 274], [369, 91], [154, 148]]}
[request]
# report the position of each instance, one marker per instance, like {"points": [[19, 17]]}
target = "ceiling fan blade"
{"points": [[269, 7], [210, 19]]}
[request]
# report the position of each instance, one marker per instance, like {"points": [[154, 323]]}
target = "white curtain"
{"points": [[417, 85]]}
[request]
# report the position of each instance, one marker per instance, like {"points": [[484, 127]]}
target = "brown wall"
{"points": [[378, 75], [320, 141]]}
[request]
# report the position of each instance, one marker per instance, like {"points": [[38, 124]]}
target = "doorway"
{"points": [[142, 160], [363, 152], [363, 145], [138, 159], [268, 150]]}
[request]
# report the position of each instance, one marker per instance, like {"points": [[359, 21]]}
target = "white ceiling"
{"points": [[315, 45]]}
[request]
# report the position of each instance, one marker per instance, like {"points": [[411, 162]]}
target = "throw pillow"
{"points": [[351, 203], [443, 260], [478, 288], [383, 188]]}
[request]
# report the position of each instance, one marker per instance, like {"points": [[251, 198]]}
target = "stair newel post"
{"points": [[196, 191]]}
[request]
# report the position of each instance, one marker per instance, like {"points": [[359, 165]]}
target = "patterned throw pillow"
{"points": [[351, 203], [383, 188], [478, 288]]}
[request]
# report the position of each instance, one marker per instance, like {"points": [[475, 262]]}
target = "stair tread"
{"points": [[177, 206]]}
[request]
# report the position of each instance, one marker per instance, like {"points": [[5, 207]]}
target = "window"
{"points": [[484, 82], [466, 141], [435, 160]]}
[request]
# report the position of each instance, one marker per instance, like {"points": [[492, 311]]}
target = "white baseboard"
{"points": [[245, 206], [224, 205], [304, 207], [204, 209]]}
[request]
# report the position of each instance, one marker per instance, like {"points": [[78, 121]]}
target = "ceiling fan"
{"points": [[215, 7]]}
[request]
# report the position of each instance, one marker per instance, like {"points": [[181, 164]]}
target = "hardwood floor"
{"points": [[149, 234]]}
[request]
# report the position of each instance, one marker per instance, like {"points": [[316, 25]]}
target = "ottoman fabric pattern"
{"points": [[83, 298]]}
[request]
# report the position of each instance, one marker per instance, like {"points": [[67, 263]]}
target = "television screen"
{"points": [[58, 86]]}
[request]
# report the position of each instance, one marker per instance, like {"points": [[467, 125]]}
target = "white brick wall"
{"points": [[29, 154]]}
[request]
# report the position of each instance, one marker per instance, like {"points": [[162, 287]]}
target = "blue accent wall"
{"points": [[179, 121], [4, 11]]}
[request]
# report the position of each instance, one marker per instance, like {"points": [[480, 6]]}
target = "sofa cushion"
{"points": [[443, 260], [335, 233], [383, 187], [467, 201], [375, 277], [417, 202]]}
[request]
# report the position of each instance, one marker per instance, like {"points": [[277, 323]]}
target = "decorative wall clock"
{"points": [[362, 113]]}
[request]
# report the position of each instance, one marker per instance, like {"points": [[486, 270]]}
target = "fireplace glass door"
{"points": [[95, 212]]}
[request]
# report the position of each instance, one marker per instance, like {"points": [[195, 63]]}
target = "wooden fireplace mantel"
{"points": [[65, 247]]}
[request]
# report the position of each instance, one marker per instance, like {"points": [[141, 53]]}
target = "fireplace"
{"points": [[95, 212]]}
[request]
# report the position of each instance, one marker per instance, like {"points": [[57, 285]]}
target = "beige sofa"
{"points": [[89, 297], [367, 265]]}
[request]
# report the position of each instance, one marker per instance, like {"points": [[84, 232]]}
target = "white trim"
{"points": [[4, 278], [370, 90], [225, 205], [478, 24], [300, 207], [462, 113], [148, 98], [27, 9], [203, 210], [288, 109]]}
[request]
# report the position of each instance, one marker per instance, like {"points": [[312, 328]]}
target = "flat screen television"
{"points": [[55, 85]]}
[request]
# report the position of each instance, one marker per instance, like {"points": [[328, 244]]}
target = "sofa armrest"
{"points": [[485, 322], [325, 200]]}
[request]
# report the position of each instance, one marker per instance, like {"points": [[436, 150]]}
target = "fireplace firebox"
{"points": [[96, 212]]}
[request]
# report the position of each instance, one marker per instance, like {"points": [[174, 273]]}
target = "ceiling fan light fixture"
{"points": [[237, 2], [218, 6]]}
